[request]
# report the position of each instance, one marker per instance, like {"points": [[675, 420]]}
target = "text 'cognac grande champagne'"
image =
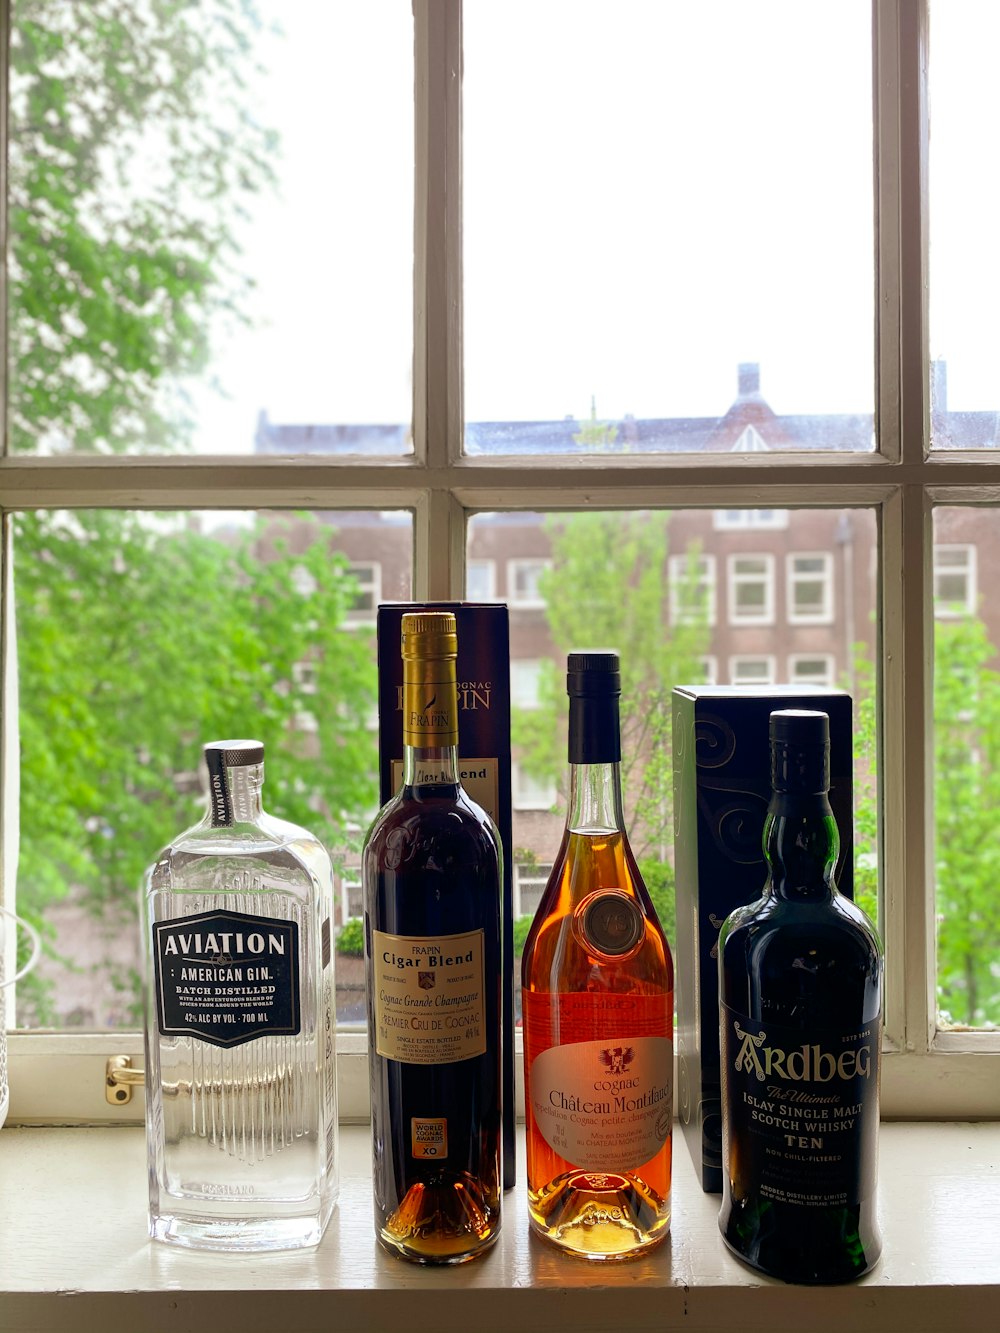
{"points": [[241, 1079], [800, 975], [431, 873], [597, 1003]]}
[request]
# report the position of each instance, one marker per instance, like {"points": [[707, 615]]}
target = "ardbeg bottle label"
{"points": [[429, 997], [227, 977], [803, 1111]]}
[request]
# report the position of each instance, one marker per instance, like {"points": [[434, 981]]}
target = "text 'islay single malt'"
{"points": [[241, 1081], [432, 875], [597, 1003], [800, 975]]}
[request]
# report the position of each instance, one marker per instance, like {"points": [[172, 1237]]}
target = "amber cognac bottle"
{"points": [[597, 1004]]}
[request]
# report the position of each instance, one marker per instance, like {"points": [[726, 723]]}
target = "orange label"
{"points": [[429, 1138]]}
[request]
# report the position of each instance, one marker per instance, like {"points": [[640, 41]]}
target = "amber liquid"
{"points": [[573, 992], [431, 869]]}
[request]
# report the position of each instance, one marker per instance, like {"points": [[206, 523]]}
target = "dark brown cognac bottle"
{"points": [[800, 974], [431, 875], [597, 1002]]}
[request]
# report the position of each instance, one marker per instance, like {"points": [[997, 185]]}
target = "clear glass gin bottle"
{"points": [[241, 1088]]}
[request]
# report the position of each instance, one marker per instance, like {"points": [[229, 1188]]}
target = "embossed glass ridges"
{"points": [[240, 1057]]}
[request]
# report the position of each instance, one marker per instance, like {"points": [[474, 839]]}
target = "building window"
{"points": [[529, 885], [726, 520], [751, 670], [368, 577], [813, 669], [751, 589], [480, 580], [692, 589], [954, 581], [530, 792], [809, 588], [351, 896], [525, 678], [523, 583], [710, 670]]}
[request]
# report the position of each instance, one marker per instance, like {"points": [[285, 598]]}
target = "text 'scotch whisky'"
{"points": [[241, 1082], [431, 876], [800, 975], [597, 1004]]}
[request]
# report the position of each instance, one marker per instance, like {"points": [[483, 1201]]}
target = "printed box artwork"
{"points": [[722, 787], [483, 672]]}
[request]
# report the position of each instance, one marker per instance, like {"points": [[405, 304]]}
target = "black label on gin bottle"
{"points": [[802, 1111], [227, 977]]}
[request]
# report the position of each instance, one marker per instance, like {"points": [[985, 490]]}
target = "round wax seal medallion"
{"points": [[610, 923]]}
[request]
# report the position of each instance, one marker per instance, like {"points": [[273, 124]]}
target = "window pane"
{"points": [[139, 637], [967, 775], [964, 258], [644, 583], [630, 240], [211, 227]]}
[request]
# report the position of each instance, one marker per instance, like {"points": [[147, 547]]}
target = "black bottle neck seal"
{"points": [[594, 684], [800, 752]]}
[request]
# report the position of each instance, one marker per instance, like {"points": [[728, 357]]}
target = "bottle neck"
{"points": [[595, 792], [430, 722], [801, 844], [234, 795], [595, 799]]}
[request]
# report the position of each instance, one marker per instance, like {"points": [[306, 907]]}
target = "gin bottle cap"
{"points": [[234, 753]]}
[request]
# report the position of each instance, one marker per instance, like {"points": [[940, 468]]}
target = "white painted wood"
{"points": [[74, 1256]]}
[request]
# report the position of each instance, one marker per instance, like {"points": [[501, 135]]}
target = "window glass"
{"points": [[967, 777], [810, 588], [955, 591], [963, 253], [630, 198], [751, 589], [211, 227], [618, 580], [139, 636]]}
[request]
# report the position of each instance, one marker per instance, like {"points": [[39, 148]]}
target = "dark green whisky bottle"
{"points": [[800, 979]]}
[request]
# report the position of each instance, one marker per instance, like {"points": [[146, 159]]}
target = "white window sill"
{"points": [[74, 1256]]}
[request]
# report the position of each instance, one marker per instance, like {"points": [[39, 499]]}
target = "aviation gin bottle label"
{"points": [[227, 977]]}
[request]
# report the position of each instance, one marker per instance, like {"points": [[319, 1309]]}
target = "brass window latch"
{"points": [[120, 1078]]}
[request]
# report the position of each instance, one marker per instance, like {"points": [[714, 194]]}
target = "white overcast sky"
{"points": [[654, 192]]}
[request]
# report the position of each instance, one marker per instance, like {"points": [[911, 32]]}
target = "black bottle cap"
{"points": [[593, 683], [800, 751], [233, 754]]}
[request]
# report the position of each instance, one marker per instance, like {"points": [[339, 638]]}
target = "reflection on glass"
{"points": [[139, 637], [964, 198], [635, 258], [211, 227], [654, 586], [967, 764]]}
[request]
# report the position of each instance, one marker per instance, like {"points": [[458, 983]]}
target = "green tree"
{"points": [[966, 797], [133, 152], [139, 639], [607, 589]]}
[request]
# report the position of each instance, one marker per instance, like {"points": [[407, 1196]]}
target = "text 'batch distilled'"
{"points": [[800, 975], [432, 874], [597, 1002], [241, 1081]]}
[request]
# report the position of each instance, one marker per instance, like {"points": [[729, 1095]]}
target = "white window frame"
{"points": [[367, 585], [677, 573], [828, 679], [766, 677], [952, 610], [535, 602], [522, 670], [793, 577], [489, 568], [926, 1071], [737, 578], [529, 793], [523, 877]]}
